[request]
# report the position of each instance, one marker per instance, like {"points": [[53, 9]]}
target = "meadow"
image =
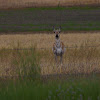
{"points": [[81, 56], [27, 65], [28, 69], [71, 89]]}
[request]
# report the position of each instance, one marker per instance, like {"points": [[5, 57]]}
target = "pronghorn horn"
{"points": [[54, 29], [60, 28]]}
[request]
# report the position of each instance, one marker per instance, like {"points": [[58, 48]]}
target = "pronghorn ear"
{"points": [[60, 29], [54, 30]]}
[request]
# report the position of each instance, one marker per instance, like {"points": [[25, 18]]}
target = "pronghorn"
{"points": [[58, 46]]}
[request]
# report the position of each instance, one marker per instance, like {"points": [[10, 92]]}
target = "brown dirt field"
{"points": [[39, 3]]}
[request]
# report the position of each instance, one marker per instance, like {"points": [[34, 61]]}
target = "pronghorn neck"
{"points": [[57, 43], [57, 40]]}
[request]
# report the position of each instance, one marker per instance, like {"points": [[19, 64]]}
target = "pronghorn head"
{"points": [[57, 32]]}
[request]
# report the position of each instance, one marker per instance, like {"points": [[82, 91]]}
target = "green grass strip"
{"points": [[76, 89]]}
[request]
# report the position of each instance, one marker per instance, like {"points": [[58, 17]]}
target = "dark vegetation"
{"points": [[43, 19]]}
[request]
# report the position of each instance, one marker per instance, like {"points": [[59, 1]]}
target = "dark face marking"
{"points": [[57, 31], [57, 36]]}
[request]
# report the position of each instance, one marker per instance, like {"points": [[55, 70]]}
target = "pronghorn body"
{"points": [[58, 46]]}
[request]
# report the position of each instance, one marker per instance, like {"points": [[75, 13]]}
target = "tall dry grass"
{"points": [[39, 3], [22, 64], [44, 40], [81, 59]]}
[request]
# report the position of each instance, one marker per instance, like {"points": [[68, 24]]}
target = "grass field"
{"points": [[39, 3], [71, 89], [28, 69], [79, 58], [27, 65]]}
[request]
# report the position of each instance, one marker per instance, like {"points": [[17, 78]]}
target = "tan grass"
{"points": [[47, 40], [38, 3], [84, 60]]}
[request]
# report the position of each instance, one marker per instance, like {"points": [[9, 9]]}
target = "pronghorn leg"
{"points": [[61, 59], [56, 59], [61, 63]]}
